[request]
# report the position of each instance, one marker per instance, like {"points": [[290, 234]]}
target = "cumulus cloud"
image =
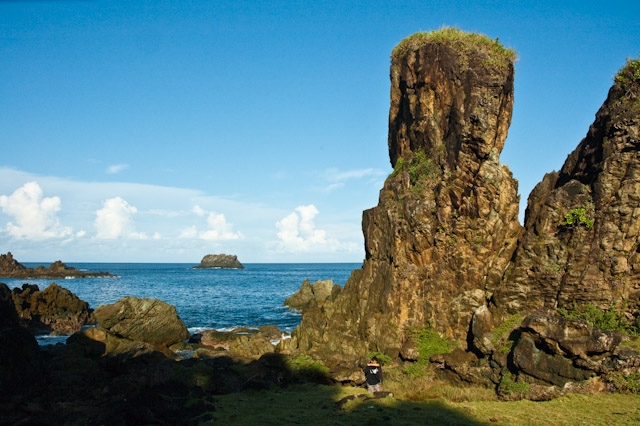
{"points": [[217, 227], [297, 231], [116, 168], [35, 216], [115, 220]]}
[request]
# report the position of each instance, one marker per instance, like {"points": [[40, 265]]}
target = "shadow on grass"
{"points": [[80, 388]]}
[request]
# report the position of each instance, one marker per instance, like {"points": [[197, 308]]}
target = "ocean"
{"points": [[220, 299]]}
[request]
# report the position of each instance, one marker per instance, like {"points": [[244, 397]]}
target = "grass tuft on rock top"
{"points": [[459, 40]]}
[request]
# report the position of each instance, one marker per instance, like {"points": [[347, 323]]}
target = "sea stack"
{"points": [[223, 261], [446, 224]]}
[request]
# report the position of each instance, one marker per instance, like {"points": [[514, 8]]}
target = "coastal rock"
{"points": [[21, 364], [312, 294], [53, 309], [11, 268], [582, 225], [145, 320], [226, 261], [446, 224]]}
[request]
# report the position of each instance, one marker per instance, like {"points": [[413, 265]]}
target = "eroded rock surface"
{"points": [[446, 223], [226, 261], [145, 320], [53, 309]]}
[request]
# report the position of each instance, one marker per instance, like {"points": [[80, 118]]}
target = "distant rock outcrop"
{"points": [[11, 268], [226, 261]]}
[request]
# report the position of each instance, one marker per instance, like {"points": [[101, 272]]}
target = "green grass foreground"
{"points": [[319, 405]]}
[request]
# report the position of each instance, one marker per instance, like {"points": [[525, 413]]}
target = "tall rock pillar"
{"points": [[446, 223]]}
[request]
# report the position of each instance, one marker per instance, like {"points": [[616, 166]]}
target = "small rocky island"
{"points": [[225, 261], [11, 268]]}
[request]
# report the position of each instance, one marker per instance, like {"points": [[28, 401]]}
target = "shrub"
{"points": [[430, 343], [622, 383], [630, 73], [501, 339], [609, 320], [508, 386], [577, 217]]}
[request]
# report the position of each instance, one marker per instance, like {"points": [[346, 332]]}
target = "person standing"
{"points": [[373, 375]]}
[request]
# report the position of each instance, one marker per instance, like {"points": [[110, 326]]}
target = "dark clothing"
{"points": [[373, 374]]}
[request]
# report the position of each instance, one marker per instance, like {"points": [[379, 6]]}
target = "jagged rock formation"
{"points": [[11, 268], [444, 249], [581, 244], [311, 295], [54, 309], [227, 261], [446, 224]]}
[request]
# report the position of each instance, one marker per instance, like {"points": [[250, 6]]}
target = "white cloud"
{"points": [[219, 229], [198, 210], [115, 220], [298, 231], [116, 168], [35, 216]]}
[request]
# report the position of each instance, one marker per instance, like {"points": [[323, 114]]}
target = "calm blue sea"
{"points": [[218, 299]]}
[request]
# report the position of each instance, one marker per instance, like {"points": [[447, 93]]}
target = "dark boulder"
{"points": [[21, 364], [53, 309], [145, 320]]}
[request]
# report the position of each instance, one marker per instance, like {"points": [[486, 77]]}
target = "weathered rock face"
{"points": [[581, 244], [446, 224], [145, 320], [220, 261], [53, 309], [311, 295]]}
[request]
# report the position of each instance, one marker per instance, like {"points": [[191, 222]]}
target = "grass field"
{"points": [[319, 405]]}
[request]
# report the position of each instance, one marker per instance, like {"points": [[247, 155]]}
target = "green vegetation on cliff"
{"points": [[609, 320], [459, 40], [630, 73]]}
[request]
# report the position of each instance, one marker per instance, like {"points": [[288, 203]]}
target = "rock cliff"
{"points": [[446, 225], [445, 251], [583, 223]]}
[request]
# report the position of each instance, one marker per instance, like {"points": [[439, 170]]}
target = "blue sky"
{"points": [[160, 131]]}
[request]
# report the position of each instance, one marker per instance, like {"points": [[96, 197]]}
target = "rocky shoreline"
{"points": [[11, 268], [121, 360]]}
